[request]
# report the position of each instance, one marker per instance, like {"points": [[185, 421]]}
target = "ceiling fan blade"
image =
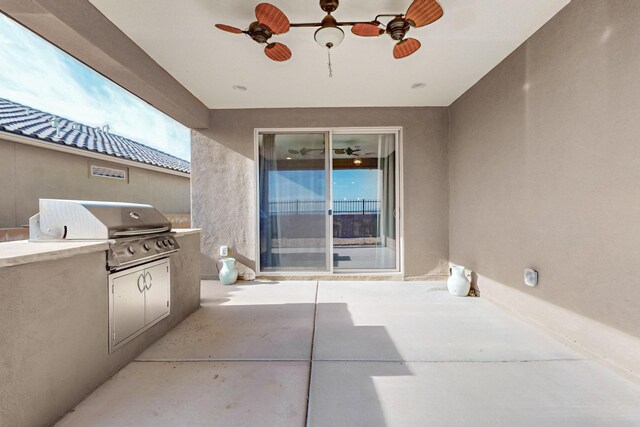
{"points": [[272, 17], [229, 29], [367, 30], [294, 152], [423, 12], [405, 48], [277, 52], [339, 151]]}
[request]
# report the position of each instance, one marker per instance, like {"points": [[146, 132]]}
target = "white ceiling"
{"points": [[470, 39]]}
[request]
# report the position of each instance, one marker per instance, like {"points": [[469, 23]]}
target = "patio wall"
{"points": [[223, 178], [30, 173], [545, 172]]}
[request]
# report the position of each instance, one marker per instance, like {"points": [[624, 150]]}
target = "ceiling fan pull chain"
{"points": [[330, 69]]}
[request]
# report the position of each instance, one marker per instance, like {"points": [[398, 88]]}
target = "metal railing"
{"points": [[297, 207], [356, 206]]}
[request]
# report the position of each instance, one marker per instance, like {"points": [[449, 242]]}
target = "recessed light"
{"points": [[239, 87], [288, 158], [418, 85]]}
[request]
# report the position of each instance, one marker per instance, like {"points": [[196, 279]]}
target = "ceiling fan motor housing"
{"points": [[329, 5], [397, 28], [260, 33]]}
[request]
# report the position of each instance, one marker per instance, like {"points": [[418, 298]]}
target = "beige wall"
{"points": [[223, 177], [545, 167], [30, 173]]}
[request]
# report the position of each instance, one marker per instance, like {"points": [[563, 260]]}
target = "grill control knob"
{"points": [[131, 250], [165, 243], [170, 242], [159, 243], [146, 247]]}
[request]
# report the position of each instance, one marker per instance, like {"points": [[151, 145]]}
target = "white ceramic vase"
{"points": [[228, 272], [457, 282]]}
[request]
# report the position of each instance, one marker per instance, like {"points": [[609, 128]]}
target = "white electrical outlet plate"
{"points": [[530, 277], [224, 250]]}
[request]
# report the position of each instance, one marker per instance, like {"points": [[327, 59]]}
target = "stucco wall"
{"points": [[545, 167], [30, 173], [223, 177]]}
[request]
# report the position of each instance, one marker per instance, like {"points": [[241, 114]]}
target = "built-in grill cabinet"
{"points": [[139, 297], [140, 243]]}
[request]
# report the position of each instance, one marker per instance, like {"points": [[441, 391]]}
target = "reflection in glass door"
{"points": [[292, 200], [364, 201]]}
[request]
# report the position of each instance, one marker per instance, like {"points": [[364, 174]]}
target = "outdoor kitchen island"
{"points": [[54, 317]]}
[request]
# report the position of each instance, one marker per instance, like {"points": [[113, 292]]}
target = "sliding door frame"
{"points": [[398, 199], [329, 132]]}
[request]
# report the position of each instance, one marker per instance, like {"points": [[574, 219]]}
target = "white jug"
{"points": [[457, 283], [228, 274]]}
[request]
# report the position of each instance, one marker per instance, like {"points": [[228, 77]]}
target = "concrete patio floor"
{"points": [[357, 354]]}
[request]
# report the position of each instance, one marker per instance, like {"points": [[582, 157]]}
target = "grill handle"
{"points": [[141, 232]]}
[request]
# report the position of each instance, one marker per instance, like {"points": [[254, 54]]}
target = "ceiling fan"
{"points": [[304, 151], [272, 21], [348, 151], [419, 14]]}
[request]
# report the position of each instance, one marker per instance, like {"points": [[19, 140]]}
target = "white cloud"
{"points": [[37, 74]]}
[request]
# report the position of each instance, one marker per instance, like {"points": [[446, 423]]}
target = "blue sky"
{"points": [[348, 184], [35, 73]]}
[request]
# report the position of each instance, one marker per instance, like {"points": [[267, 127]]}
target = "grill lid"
{"points": [[91, 220]]}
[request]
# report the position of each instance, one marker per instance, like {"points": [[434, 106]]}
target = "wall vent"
{"points": [[101, 171]]}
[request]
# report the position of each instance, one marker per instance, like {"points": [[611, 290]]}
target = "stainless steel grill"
{"points": [[136, 233]]}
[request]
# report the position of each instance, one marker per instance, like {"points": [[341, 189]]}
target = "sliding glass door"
{"points": [[293, 202], [364, 201], [328, 201]]}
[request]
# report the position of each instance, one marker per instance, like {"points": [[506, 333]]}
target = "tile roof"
{"points": [[22, 120]]}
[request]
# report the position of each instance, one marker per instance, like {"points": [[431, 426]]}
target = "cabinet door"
{"points": [[158, 291], [128, 305]]}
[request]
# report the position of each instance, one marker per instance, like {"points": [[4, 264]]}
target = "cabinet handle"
{"points": [[141, 288], [146, 284], [150, 282]]}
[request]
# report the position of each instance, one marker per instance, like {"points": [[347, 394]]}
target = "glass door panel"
{"points": [[364, 201], [293, 202]]}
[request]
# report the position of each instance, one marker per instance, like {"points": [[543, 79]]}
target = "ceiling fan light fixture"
{"points": [[329, 36], [272, 21]]}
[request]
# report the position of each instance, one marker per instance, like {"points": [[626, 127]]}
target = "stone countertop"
{"points": [[186, 231], [25, 252]]}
